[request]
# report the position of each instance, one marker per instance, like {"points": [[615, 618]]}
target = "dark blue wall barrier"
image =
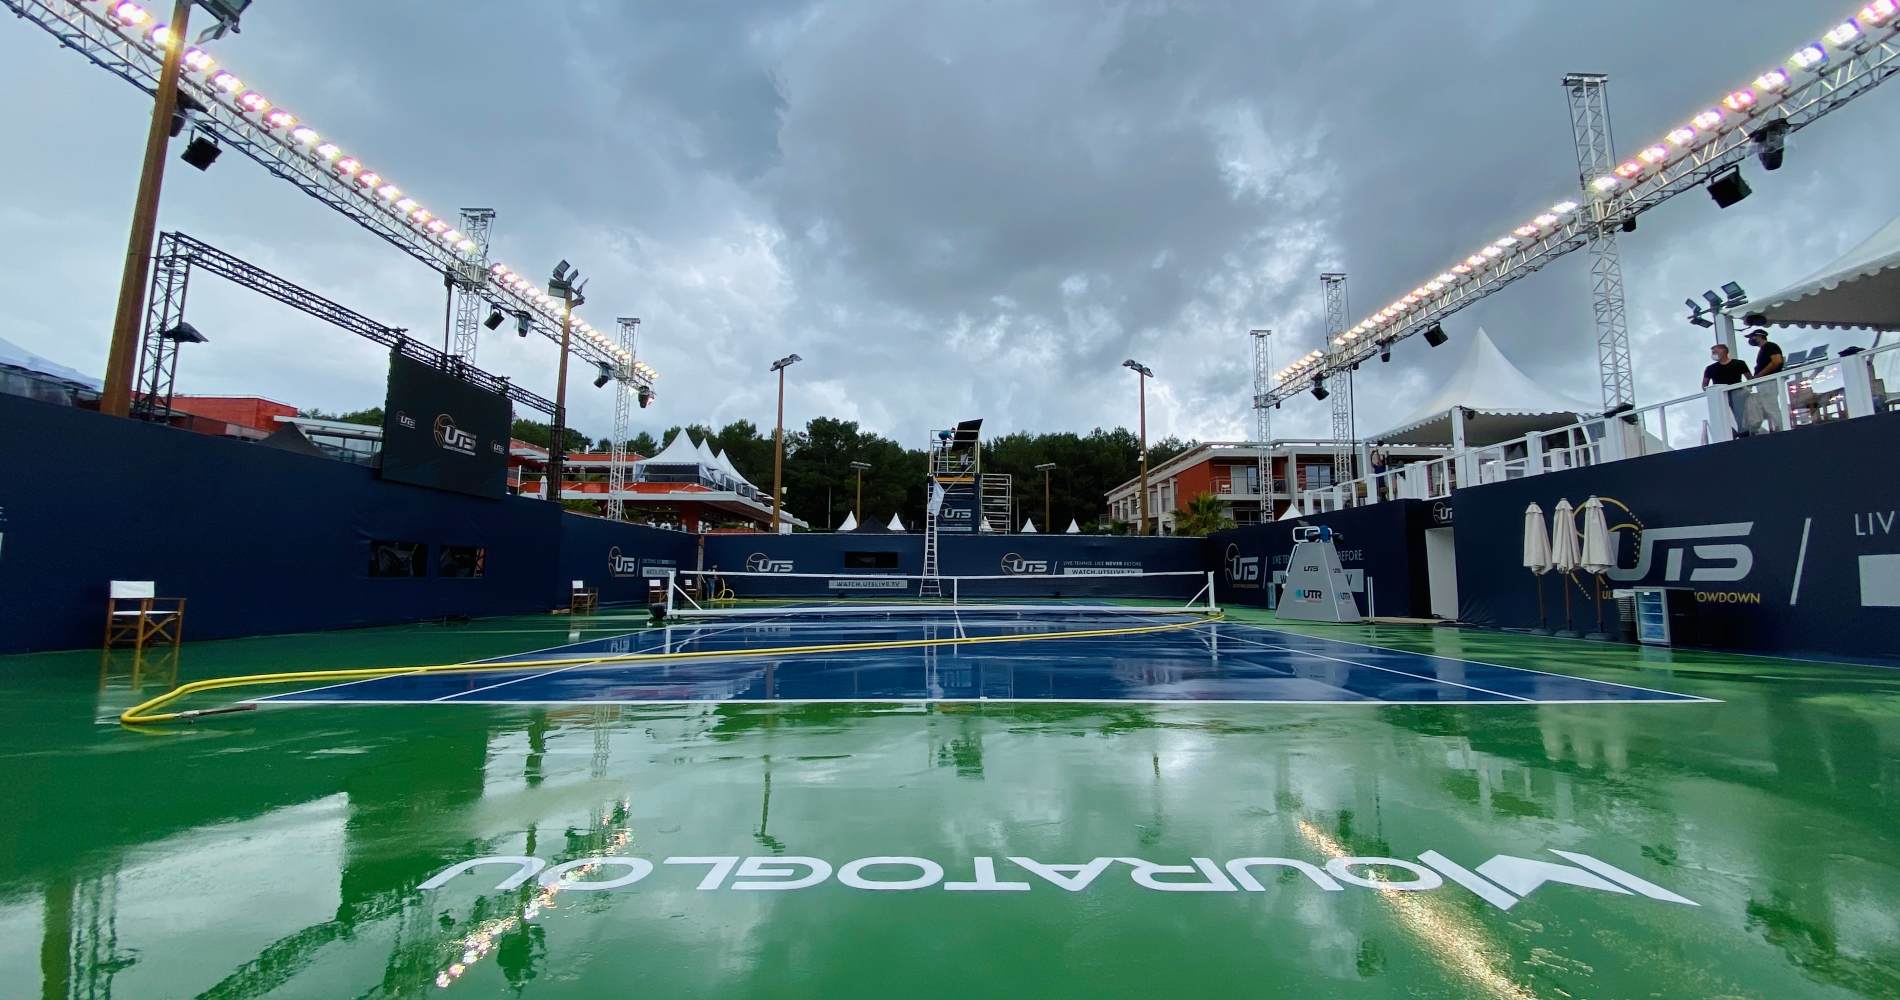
{"points": [[258, 540], [1787, 539], [1045, 565], [615, 559], [1381, 546]]}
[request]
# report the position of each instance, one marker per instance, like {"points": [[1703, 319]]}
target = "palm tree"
{"points": [[1203, 515]]}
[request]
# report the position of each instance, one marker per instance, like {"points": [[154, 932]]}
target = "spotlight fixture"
{"points": [[1729, 189], [1771, 143], [202, 151], [1435, 336], [182, 111], [1735, 296], [1319, 391], [494, 318], [646, 397], [1697, 316], [522, 326], [1385, 353], [1629, 224], [605, 375]]}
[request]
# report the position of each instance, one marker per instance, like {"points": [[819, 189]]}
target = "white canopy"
{"points": [[897, 523], [723, 463], [14, 356], [1859, 290], [850, 523], [1074, 528], [1499, 400], [1029, 526], [679, 451], [1293, 512]]}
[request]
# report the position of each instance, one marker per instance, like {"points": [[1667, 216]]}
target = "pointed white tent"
{"points": [[1293, 512], [985, 528], [850, 523], [1498, 400], [1074, 528], [680, 456], [1860, 289], [897, 523], [14, 356], [1029, 526], [723, 463]]}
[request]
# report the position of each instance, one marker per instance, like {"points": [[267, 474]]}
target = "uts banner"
{"points": [[1380, 547], [1788, 540], [444, 433]]}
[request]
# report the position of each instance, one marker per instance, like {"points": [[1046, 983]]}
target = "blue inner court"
{"points": [[754, 661]]}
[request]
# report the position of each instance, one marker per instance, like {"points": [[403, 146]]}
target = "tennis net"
{"points": [[715, 593]]}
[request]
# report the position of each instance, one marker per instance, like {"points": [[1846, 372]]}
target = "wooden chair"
{"points": [[583, 600], [136, 614]]}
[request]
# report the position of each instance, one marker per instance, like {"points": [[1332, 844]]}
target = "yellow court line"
{"points": [[145, 712]]}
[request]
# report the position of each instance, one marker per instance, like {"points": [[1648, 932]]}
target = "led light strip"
{"points": [[138, 23], [1734, 110]]}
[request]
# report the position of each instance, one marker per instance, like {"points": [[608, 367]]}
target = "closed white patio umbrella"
{"points": [[1566, 553], [1537, 555], [1599, 555]]}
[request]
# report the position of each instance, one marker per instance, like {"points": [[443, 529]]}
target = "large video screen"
{"points": [[442, 432]]}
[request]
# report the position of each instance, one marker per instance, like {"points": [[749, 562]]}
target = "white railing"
{"points": [[1821, 391]]}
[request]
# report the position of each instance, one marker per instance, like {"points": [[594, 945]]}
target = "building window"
{"points": [[404, 559], [462, 561]]}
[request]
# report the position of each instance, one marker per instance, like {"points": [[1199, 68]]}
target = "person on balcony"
{"points": [[1761, 405], [1725, 370]]}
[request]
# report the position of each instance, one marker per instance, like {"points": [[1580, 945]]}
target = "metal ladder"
{"points": [[930, 585]]}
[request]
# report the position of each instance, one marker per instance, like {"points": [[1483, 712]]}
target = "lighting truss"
{"points": [[623, 420], [179, 255], [129, 41], [1820, 78]]}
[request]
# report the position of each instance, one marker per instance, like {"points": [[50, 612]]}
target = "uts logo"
{"points": [[959, 514], [1016, 565], [620, 565], [1242, 571], [453, 438], [758, 562], [1714, 559]]}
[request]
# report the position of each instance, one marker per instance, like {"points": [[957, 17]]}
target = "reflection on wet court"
{"points": [[282, 853]]}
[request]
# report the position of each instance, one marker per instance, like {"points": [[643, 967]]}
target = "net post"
{"points": [[956, 595], [669, 592], [1212, 604]]}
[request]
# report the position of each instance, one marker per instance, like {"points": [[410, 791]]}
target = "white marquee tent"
{"points": [[1859, 290], [1487, 399]]}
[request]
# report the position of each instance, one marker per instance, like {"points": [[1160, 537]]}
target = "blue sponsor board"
{"points": [[1381, 548], [1788, 541]]}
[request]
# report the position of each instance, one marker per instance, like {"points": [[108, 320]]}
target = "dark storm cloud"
{"points": [[950, 210]]}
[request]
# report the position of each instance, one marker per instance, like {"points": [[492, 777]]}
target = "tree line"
{"points": [[821, 486]]}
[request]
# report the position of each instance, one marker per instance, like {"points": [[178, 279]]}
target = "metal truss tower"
{"points": [[624, 390], [1596, 157], [1263, 416], [470, 278], [1333, 286]]}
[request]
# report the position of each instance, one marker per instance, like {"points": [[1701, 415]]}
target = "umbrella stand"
{"points": [[1543, 624], [1566, 632], [1596, 587]]}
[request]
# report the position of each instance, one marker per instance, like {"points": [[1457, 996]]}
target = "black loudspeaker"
{"points": [[1436, 335], [1729, 189]]}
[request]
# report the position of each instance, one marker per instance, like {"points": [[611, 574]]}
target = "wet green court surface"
{"points": [[1748, 847]]}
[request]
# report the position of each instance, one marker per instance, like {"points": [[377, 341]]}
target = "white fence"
{"points": [[1817, 392]]}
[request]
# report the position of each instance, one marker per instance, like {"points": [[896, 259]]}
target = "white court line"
{"points": [[1389, 670], [1481, 663], [584, 663], [926, 700]]}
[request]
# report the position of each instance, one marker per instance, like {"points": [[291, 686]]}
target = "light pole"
{"points": [[1046, 468], [1144, 373], [564, 286], [778, 437], [122, 354], [860, 467]]}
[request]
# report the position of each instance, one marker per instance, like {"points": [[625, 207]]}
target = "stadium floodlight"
{"points": [[1319, 391], [785, 362], [1729, 188], [1385, 352], [1696, 314], [604, 374], [522, 324], [1771, 143], [1715, 301], [1733, 294], [202, 151]]}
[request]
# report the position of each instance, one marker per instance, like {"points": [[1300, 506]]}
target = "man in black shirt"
{"points": [[1725, 370], [1762, 407]]}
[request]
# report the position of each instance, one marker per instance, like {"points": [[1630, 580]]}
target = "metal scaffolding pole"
{"points": [[1333, 287], [624, 389], [1263, 416], [1596, 157], [471, 278]]}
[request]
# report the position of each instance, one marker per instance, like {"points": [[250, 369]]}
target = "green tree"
{"points": [[541, 435], [1202, 516]]}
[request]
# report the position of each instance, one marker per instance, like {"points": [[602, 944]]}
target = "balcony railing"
{"points": [[1821, 391]]}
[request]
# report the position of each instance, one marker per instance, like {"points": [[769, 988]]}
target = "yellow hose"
{"points": [[144, 714]]}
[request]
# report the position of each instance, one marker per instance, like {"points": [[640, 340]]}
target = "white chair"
{"points": [[583, 599], [134, 612]]}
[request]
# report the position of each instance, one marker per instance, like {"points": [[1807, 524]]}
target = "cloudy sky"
{"points": [[949, 209]]}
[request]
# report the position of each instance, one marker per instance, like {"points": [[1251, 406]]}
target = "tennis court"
{"points": [[1076, 656]]}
